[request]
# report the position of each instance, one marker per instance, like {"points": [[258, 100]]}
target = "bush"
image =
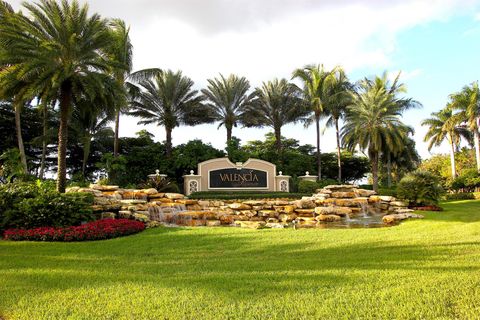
{"points": [[32, 205], [460, 196], [96, 230], [385, 191], [420, 188], [218, 195], [161, 184], [306, 186]]}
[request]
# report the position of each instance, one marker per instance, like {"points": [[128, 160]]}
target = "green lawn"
{"points": [[423, 269]]}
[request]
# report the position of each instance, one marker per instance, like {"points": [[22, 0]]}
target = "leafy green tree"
{"points": [[373, 121], [468, 102], [227, 100], [58, 45], [444, 125], [276, 103], [169, 100], [317, 90]]}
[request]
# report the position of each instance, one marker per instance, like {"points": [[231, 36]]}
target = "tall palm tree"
{"points": [[275, 104], [444, 125], [168, 100], [468, 102], [227, 100], [62, 46], [121, 52], [373, 121], [317, 90], [337, 107]]}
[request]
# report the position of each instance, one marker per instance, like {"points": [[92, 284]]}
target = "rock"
{"points": [[254, 202], [174, 196], [399, 204], [305, 212], [101, 200], [287, 217], [141, 217], [153, 224], [156, 195], [343, 195], [267, 213], [339, 211], [197, 215], [387, 198], [241, 217], [248, 213], [239, 206], [274, 225], [226, 219], [132, 194], [328, 218], [289, 209], [281, 203], [344, 202], [194, 207], [360, 201], [213, 223], [149, 191], [307, 203], [103, 188], [107, 215], [186, 201], [365, 193], [374, 199], [125, 214], [394, 218], [250, 224], [271, 220], [133, 201], [72, 189]]}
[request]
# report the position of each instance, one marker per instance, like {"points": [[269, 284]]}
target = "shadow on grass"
{"points": [[232, 264]]}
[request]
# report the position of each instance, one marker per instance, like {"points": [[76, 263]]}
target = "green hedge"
{"points": [[33, 205], [462, 196], [233, 195]]}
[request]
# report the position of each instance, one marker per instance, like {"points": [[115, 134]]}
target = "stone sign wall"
{"points": [[222, 174]]}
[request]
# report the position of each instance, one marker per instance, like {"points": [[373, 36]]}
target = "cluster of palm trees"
{"points": [[459, 119], [61, 57]]}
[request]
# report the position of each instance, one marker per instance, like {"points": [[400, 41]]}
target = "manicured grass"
{"points": [[423, 269]]}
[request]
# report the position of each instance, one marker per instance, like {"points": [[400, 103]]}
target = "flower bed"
{"points": [[96, 230]]}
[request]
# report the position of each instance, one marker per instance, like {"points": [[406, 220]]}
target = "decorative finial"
{"points": [[280, 173], [157, 172], [191, 172], [307, 173]]}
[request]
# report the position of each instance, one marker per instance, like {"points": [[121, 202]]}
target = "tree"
{"points": [[468, 102], [373, 120], [336, 108], [275, 104], [317, 90], [169, 100], [227, 100], [444, 125], [61, 46]]}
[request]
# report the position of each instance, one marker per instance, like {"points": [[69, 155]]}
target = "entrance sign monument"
{"points": [[223, 175]]}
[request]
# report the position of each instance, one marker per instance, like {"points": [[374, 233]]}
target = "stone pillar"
{"points": [[282, 183], [191, 183], [308, 177]]}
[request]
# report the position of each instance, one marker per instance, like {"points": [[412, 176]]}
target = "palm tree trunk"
{"points": [[339, 153], [18, 127], [168, 144], [389, 169], [229, 134], [278, 140], [44, 141], [86, 153], [374, 162], [65, 102], [452, 158], [117, 128], [319, 156], [476, 137]]}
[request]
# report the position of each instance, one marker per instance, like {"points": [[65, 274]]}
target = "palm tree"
{"points": [[61, 46], [121, 52], [337, 107], [468, 102], [275, 104], [168, 100], [373, 121], [317, 90], [444, 125], [227, 100]]}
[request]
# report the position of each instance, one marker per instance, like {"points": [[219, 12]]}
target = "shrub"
{"points": [[96, 230], [32, 205], [460, 196], [161, 184], [306, 186], [385, 191], [420, 188]]}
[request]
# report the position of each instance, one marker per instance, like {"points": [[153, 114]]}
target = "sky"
{"points": [[433, 43]]}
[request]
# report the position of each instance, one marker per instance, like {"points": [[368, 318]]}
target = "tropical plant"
{"points": [[317, 90], [468, 102], [227, 100], [444, 125], [62, 47], [373, 120], [275, 104], [420, 188], [169, 100], [337, 107]]}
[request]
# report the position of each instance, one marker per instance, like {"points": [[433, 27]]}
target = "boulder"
{"points": [[399, 204], [394, 218], [141, 217], [365, 193], [267, 213], [153, 224], [122, 214], [254, 202], [149, 191], [186, 201], [328, 218], [338, 194], [339, 211], [213, 223], [132, 201], [271, 220], [103, 188], [107, 215], [250, 224], [174, 196], [387, 198], [274, 225], [226, 219], [305, 212], [156, 195], [289, 209], [239, 206]]}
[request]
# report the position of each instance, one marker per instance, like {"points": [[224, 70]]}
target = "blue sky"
{"points": [[433, 42]]}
